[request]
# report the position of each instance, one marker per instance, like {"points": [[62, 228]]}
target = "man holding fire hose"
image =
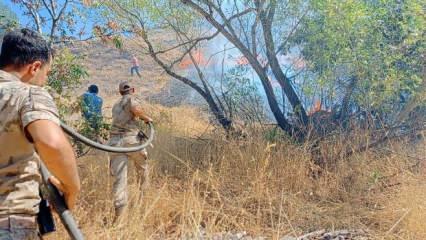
{"points": [[125, 132], [29, 132]]}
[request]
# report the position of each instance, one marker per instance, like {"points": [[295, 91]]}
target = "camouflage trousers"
{"points": [[19, 234], [18, 228], [119, 163]]}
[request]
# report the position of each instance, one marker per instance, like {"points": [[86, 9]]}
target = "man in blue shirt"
{"points": [[91, 107]]}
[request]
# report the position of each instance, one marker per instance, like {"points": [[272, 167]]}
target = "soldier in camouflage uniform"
{"points": [[124, 133], [29, 132]]}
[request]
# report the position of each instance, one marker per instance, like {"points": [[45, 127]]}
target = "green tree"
{"points": [[8, 19], [367, 55], [67, 72], [240, 95]]}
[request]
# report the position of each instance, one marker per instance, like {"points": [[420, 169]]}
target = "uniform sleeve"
{"points": [[39, 105], [135, 102]]}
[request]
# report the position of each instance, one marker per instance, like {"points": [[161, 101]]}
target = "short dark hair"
{"points": [[93, 89], [22, 47]]}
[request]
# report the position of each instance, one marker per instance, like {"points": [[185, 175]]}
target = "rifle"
{"points": [[52, 194]]}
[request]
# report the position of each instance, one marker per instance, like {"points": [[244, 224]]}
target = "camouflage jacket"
{"points": [[20, 104]]}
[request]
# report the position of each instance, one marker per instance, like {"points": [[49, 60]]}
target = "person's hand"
{"points": [[70, 195]]}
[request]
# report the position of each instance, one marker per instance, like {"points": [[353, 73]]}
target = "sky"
{"points": [[26, 21], [23, 20]]}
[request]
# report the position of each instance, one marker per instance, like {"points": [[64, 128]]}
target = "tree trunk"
{"points": [[292, 97], [230, 36], [346, 99], [219, 114], [52, 31]]}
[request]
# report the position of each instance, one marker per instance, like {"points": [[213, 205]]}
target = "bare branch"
{"points": [[32, 10], [168, 69], [253, 36], [241, 25], [282, 45], [191, 41], [232, 38], [226, 21], [183, 55], [49, 10], [53, 7], [61, 12]]}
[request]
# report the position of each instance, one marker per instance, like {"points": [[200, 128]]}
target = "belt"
{"points": [[18, 222]]}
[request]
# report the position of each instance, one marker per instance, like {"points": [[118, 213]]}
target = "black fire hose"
{"points": [[107, 148], [58, 202]]}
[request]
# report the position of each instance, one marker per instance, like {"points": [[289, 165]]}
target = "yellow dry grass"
{"points": [[185, 121], [264, 188]]}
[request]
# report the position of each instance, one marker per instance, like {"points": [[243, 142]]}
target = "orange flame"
{"points": [[198, 57], [316, 108], [299, 63], [242, 61]]}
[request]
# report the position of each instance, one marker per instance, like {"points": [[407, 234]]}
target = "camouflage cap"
{"points": [[124, 86]]}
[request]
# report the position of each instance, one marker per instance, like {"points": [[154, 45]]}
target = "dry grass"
{"points": [[184, 121], [255, 186]]}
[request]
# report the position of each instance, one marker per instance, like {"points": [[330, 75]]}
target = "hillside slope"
{"points": [[108, 66]]}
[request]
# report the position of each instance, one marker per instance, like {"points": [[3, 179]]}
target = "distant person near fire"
{"points": [[135, 66]]}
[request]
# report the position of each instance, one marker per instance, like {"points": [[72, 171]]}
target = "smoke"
{"points": [[217, 56]]}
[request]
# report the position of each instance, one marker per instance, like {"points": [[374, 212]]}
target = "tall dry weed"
{"points": [[212, 185]]}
